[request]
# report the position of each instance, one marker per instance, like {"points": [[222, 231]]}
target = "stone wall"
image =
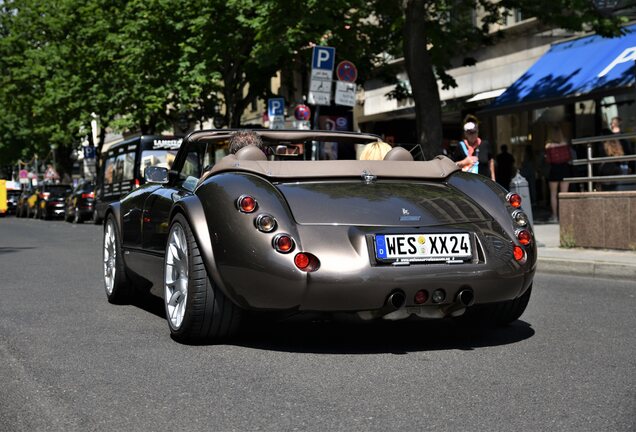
{"points": [[605, 220]]}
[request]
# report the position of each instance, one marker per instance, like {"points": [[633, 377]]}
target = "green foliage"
{"points": [[141, 65]]}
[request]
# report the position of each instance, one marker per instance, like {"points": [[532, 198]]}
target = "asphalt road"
{"points": [[70, 361]]}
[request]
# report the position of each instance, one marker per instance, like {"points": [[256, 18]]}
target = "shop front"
{"points": [[579, 85]]}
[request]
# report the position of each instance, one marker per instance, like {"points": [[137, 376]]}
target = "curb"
{"points": [[595, 269]]}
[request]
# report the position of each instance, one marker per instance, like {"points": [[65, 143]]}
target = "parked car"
{"points": [[80, 203], [219, 237], [12, 200], [50, 200]]}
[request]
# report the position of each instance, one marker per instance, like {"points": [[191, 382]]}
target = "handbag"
{"points": [[556, 155]]}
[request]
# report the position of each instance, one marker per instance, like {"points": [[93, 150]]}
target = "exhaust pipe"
{"points": [[466, 297], [396, 300]]}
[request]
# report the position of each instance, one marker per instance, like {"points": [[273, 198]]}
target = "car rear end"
{"points": [[379, 247], [51, 200]]}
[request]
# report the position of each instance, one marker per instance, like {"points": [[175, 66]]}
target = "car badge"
{"points": [[368, 178]]}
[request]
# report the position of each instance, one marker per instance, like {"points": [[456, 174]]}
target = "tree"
{"points": [[435, 32]]}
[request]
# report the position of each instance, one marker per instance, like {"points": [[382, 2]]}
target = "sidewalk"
{"points": [[602, 263]]}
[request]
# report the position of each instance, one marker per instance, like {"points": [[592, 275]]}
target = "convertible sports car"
{"points": [[220, 236]]}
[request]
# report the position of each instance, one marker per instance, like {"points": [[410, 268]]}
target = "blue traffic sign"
{"points": [[89, 152], [276, 107], [323, 58]]}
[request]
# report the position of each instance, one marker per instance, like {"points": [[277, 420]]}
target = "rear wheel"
{"points": [[195, 308], [500, 313], [115, 280]]}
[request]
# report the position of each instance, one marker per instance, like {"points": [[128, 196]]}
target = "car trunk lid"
{"points": [[381, 203]]}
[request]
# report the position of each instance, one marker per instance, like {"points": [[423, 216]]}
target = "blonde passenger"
{"points": [[375, 151]]}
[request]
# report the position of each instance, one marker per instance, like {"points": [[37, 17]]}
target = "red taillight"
{"points": [[520, 254], [421, 296], [246, 204], [306, 262], [524, 237], [514, 199], [283, 243], [88, 195], [137, 183]]}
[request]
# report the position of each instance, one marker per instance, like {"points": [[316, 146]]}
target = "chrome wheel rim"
{"points": [[110, 256], [176, 276]]}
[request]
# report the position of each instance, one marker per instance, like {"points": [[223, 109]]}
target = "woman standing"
{"points": [[472, 153], [558, 157]]}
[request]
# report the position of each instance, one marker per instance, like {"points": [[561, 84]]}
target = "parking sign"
{"points": [[323, 58], [322, 63], [275, 107]]}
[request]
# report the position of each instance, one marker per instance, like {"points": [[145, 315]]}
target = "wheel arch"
{"points": [[192, 209]]}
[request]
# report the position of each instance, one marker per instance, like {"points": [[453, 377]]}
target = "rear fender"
{"points": [[190, 207]]}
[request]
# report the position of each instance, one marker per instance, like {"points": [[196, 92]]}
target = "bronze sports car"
{"points": [[221, 235]]}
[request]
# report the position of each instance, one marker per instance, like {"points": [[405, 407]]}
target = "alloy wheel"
{"points": [[110, 256], [176, 276]]}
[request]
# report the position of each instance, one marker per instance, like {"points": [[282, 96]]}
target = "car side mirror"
{"points": [[156, 174]]}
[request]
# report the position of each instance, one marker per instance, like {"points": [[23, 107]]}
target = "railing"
{"points": [[590, 179]]}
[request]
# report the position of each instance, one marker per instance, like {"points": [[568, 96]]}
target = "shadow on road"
{"points": [[6, 250], [343, 337], [381, 337]]}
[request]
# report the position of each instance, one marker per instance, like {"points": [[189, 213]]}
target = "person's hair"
{"points": [[375, 151], [471, 118], [504, 148], [613, 148], [555, 134], [617, 118], [243, 138]]}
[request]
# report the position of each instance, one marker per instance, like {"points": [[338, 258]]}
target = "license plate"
{"points": [[423, 247]]}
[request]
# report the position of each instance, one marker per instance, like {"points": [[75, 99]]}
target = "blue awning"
{"points": [[574, 68]]}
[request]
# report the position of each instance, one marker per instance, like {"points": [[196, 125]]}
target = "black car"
{"points": [[80, 203], [12, 200], [50, 200]]}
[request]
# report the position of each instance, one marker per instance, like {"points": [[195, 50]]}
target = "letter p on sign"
{"points": [[626, 56]]}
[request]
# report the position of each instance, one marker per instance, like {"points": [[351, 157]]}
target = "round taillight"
{"points": [[301, 260], [514, 199], [520, 254], [420, 297], [520, 218], [524, 237], [265, 223], [246, 204], [306, 261], [283, 243]]}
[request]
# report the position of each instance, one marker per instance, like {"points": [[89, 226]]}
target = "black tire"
{"points": [[209, 314], [96, 219], [500, 313], [121, 292]]}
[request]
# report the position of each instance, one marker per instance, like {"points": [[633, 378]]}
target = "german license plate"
{"points": [[423, 247]]}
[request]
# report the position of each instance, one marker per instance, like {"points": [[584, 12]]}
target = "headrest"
{"points": [[251, 153], [398, 154]]}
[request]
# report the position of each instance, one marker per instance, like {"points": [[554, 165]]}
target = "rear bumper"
{"points": [[350, 280]]}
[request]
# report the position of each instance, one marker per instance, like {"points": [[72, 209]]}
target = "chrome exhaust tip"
{"points": [[466, 297]]}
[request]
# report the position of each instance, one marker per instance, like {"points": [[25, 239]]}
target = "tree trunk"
{"points": [[428, 115]]}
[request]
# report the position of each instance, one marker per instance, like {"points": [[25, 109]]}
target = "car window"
{"points": [[108, 170], [58, 190], [162, 158]]}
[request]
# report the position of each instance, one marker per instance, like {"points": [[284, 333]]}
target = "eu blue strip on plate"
{"points": [[380, 247]]}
